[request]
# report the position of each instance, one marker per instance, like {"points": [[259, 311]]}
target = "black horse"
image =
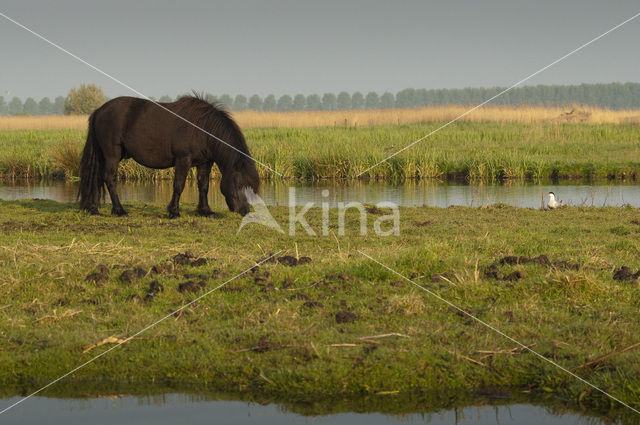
{"points": [[128, 127]]}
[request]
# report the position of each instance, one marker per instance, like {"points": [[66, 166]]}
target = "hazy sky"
{"points": [[289, 47]]}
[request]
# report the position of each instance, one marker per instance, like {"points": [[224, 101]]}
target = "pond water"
{"points": [[180, 408], [409, 194]]}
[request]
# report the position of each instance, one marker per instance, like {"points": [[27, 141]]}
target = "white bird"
{"points": [[553, 204]]}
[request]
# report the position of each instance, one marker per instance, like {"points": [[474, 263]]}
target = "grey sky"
{"points": [[289, 47]]}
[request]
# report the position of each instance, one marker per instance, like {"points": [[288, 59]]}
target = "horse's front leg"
{"points": [[203, 172], [182, 166]]}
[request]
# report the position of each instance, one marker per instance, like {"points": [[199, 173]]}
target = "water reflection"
{"points": [[409, 194], [179, 408]]}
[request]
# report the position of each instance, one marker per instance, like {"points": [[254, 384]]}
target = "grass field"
{"points": [[483, 152], [314, 329]]}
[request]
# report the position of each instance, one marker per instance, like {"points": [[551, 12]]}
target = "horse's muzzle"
{"points": [[243, 211]]}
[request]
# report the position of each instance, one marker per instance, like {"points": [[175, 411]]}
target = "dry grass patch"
{"points": [[407, 304], [366, 118]]}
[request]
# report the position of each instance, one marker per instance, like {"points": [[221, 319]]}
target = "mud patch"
{"points": [[162, 269], [261, 280], [344, 316], [100, 276], [343, 277], [300, 296], [373, 210], [292, 261], [313, 304], [183, 258], [287, 283], [199, 262], [191, 286], [218, 274], [516, 275], [493, 270], [263, 345], [624, 273], [129, 276], [155, 288], [566, 265], [288, 260]]}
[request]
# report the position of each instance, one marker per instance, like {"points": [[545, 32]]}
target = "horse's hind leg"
{"points": [[182, 166], [110, 172], [203, 172]]}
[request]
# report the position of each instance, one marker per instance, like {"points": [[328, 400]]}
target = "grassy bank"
{"points": [[314, 329], [482, 152]]}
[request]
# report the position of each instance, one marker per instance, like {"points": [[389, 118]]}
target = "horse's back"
{"points": [[136, 128]]}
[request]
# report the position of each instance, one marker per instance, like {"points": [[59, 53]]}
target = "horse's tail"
{"points": [[91, 171]]}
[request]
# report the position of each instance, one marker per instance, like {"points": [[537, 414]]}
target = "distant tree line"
{"points": [[45, 106], [83, 100], [611, 95]]}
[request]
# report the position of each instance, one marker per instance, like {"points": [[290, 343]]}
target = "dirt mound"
{"points": [[183, 258], [345, 316], [100, 276], [493, 270], [291, 261], [162, 268], [155, 288], [131, 275], [624, 273], [199, 262], [191, 286]]}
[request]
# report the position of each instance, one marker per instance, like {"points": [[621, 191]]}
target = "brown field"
{"points": [[365, 118]]}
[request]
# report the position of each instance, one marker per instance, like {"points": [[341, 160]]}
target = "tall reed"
{"points": [[466, 150]]}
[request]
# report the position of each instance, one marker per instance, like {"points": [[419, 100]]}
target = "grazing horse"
{"points": [[128, 127]]}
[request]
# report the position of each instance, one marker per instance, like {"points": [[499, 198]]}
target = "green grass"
{"points": [[260, 337], [473, 151]]}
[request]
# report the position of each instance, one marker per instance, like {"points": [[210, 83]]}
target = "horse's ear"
{"points": [[244, 166]]}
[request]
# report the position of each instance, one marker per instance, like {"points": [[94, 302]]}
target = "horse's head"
{"points": [[234, 182]]}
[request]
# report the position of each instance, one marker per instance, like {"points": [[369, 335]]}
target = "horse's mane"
{"points": [[216, 119]]}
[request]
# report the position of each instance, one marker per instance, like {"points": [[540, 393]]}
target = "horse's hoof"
{"points": [[174, 214], [93, 211], [119, 212], [207, 213]]}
